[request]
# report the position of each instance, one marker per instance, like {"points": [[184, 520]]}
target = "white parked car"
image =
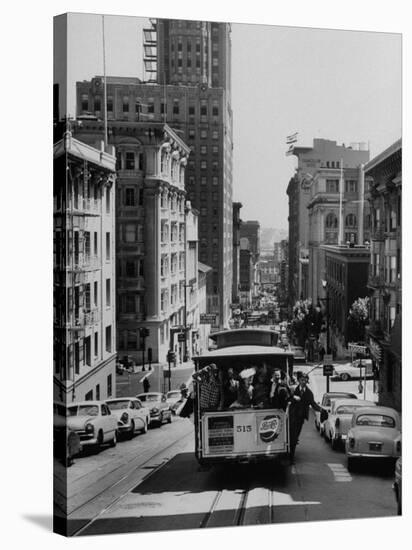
{"points": [[375, 432], [131, 415], [326, 404], [159, 409], [348, 371], [172, 399], [337, 425], [94, 423]]}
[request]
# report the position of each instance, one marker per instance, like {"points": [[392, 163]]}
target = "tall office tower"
{"points": [[192, 63]]}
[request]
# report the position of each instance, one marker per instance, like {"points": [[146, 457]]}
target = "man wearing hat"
{"points": [[301, 400]]}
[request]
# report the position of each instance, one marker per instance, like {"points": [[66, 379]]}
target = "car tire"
{"points": [[99, 441], [344, 377], [169, 420], [132, 429], [351, 464], [145, 427], [113, 442]]}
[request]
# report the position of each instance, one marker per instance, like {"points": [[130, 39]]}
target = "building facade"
{"points": [[192, 67], [84, 271], [250, 237], [150, 235], [385, 280], [346, 276], [314, 209], [236, 251]]}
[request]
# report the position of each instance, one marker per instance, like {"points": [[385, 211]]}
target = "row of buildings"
{"points": [[150, 250], [345, 244]]}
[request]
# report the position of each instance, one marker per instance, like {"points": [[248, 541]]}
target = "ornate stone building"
{"points": [[150, 235], [385, 280], [84, 349]]}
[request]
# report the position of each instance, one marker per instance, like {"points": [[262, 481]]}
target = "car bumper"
{"points": [[121, 427], [155, 417], [370, 455]]}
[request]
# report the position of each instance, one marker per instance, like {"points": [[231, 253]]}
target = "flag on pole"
{"points": [[292, 138]]}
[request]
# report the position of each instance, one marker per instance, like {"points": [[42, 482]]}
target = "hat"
{"points": [[183, 386], [247, 373]]}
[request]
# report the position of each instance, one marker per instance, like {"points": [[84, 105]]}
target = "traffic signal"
{"points": [[171, 356]]}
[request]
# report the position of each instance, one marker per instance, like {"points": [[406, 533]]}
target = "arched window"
{"points": [[331, 220], [350, 220]]}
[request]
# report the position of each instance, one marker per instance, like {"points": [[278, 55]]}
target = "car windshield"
{"points": [[84, 410], [172, 394], [150, 397], [379, 420], [117, 405]]}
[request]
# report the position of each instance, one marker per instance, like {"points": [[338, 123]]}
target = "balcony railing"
{"points": [[83, 320], [376, 281]]}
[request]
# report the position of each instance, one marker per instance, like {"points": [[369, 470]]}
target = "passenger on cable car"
{"points": [[245, 389], [261, 389], [279, 392], [209, 379], [229, 389]]}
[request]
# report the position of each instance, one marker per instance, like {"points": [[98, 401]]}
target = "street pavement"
{"points": [[130, 384], [153, 482]]}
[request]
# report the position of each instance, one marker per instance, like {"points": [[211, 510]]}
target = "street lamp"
{"points": [[326, 288]]}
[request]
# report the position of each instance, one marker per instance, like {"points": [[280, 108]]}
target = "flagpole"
{"points": [[340, 237], [104, 88]]}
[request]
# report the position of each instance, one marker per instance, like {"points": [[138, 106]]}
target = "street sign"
{"points": [[207, 318], [181, 337], [327, 370], [327, 359]]}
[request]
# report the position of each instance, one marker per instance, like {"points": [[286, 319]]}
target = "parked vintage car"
{"points": [[66, 442], [159, 409], [397, 485], [172, 398], [375, 432], [131, 415], [326, 404], [94, 423], [349, 371], [337, 425], [299, 355]]}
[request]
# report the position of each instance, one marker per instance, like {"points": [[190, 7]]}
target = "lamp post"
{"points": [[325, 287]]}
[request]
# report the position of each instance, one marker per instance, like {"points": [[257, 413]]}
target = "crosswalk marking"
{"points": [[340, 473]]}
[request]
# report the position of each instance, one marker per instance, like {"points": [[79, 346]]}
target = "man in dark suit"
{"points": [[300, 402]]}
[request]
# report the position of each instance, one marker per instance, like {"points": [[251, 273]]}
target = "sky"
{"points": [[333, 84]]}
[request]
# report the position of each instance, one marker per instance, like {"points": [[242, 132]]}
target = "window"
{"points": [[191, 113], [87, 351], [118, 160], [110, 104], [392, 316], [130, 197], [130, 304], [331, 220], [95, 293], [215, 110], [87, 245], [150, 105], [85, 102], [109, 385], [179, 46], [108, 293], [215, 149], [107, 200], [96, 344], [350, 220], [215, 134], [203, 108], [130, 160], [130, 233], [109, 338], [203, 149], [351, 186], [163, 108], [215, 180], [140, 195], [98, 392], [130, 269], [392, 224], [87, 297], [138, 108], [89, 396], [97, 103], [175, 106], [107, 246], [203, 165], [203, 134], [131, 340], [126, 104], [332, 186], [189, 62], [393, 271], [163, 300]]}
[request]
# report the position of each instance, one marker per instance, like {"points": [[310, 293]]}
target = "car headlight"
{"points": [[155, 410], [89, 428], [124, 418], [351, 441]]}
